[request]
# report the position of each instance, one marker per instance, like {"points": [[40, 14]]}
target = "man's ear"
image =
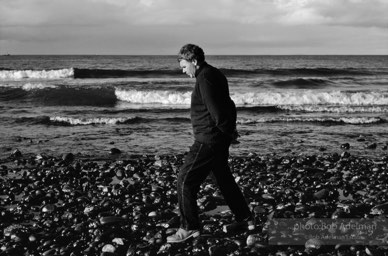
{"points": [[195, 62]]}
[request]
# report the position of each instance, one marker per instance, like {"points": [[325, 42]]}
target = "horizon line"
{"points": [[91, 54]]}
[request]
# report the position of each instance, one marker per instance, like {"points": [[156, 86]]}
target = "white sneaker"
{"points": [[245, 225], [182, 235]]}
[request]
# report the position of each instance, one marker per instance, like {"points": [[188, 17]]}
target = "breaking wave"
{"points": [[311, 98], [80, 121], [261, 98], [336, 109], [72, 121], [36, 74], [262, 101], [150, 97]]}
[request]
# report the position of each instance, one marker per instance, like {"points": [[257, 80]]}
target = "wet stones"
{"points": [[128, 206], [225, 248], [380, 209], [13, 229], [255, 240]]}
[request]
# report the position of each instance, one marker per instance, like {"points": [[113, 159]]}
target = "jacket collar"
{"points": [[203, 64]]}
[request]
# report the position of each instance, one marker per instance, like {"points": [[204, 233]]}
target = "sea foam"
{"points": [[149, 97], [37, 86]]}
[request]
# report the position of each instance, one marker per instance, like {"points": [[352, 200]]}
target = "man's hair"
{"points": [[191, 52]]}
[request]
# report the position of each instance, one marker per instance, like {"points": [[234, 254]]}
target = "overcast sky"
{"points": [[219, 26]]}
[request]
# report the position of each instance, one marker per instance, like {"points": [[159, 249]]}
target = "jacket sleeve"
{"points": [[217, 101]]}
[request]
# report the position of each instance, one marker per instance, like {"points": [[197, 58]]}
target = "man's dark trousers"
{"points": [[199, 162]]}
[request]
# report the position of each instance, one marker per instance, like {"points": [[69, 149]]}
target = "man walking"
{"points": [[213, 117]]}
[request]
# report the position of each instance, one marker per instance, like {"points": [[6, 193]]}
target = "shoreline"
{"points": [[370, 150], [127, 206]]}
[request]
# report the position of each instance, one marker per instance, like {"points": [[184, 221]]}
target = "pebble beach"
{"points": [[91, 146], [72, 205]]}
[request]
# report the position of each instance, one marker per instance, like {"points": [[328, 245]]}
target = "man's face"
{"points": [[188, 67]]}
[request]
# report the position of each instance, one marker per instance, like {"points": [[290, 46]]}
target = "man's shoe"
{"points": [[240, 226], [182, 235]]}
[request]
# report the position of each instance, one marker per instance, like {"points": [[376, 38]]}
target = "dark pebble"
{"points": [[68, 158], [115, 151], [321, 194], [111, 220], [345, 146], [372, 146], [16, 153]]}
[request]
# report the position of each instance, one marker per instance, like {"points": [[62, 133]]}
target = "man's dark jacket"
{"points": [[213, 113]]}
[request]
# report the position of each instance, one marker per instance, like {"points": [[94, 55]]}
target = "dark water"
{"points": [[140, 104]]}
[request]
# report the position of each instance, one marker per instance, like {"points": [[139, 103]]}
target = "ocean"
{"points": [[88, 105]]}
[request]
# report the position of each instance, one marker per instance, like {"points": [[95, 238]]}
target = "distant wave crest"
{"points": [[74, 121], [28, 86], [37, 86], [331, 120], [82, 121], [58, 120], [36, 74], [336, 109]]}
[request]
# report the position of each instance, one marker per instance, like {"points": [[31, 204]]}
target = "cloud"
{"points": [[368, 13], [114, 26], [147, 3], [51, 13], [177, 12], [299, 12]]}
